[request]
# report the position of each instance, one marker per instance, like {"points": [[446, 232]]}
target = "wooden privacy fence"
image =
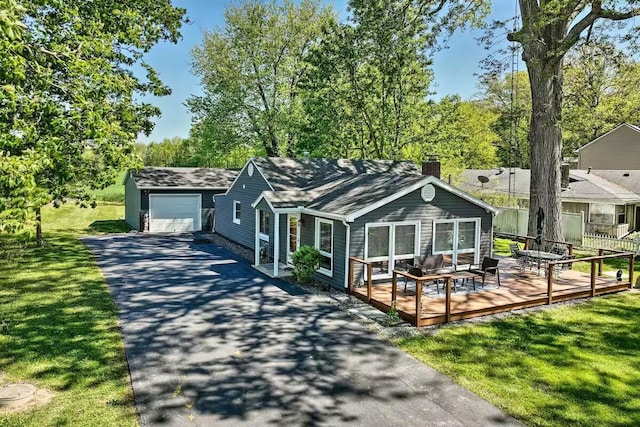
{"points": [[601, 241], [515, 221]]}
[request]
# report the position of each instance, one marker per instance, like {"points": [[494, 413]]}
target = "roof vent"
{"points": [[625, 174]]}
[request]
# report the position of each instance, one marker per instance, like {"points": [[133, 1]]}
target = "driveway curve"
{"points": [[210, 341]]}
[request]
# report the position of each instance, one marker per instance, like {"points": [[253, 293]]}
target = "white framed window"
{"points": [[388, 243], [237, 210], [459, 238], [263, 231], [324, 244]]}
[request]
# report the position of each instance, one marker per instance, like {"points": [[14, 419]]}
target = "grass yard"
{"points": [[113, 193], [59, 325], [573, 365]]}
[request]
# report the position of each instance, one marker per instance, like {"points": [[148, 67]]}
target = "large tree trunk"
{"points": [[545, 141]]}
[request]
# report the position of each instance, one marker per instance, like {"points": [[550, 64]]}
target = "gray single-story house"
{"points": [[173, 199], [380, 211]]}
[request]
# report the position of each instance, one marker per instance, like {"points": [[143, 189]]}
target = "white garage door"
{"points": [[171, 213]]}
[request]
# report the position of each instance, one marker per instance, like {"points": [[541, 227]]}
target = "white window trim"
{"points": [[475, 250], [392, 257], [317, 245], [236, 220], [262, 235]]}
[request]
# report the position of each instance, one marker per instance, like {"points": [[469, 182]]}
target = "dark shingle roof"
{"points": [[184, 178], [286, 174], [356, 192]]}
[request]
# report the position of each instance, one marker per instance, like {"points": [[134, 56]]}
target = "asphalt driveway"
{"points": [[210, 341]]}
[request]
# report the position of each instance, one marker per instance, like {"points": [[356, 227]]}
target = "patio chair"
{"points": [[514, 248], [488, 266], [522, 260], [434, 264], [558, 269]]}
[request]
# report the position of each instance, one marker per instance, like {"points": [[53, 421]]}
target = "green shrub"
{"points": [[305, 261]]}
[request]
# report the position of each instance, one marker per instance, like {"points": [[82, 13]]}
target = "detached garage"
{"points": [[170, 200]]}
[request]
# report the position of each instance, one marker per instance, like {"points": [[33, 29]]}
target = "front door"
{"points": [[293, 236]]}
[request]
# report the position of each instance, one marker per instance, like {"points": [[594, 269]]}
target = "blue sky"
{"points": [[454, 67]]}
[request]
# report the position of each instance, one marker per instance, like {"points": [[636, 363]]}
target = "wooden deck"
{"points": [[516, 291]]}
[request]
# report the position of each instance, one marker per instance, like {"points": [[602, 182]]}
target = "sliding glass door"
{"points": [[387, 244], [458, 238]]}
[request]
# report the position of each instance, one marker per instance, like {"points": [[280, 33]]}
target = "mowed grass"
{"points": [[568, 366], [59, 325], [113, 193]]}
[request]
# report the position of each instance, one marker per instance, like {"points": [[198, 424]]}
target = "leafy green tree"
{"points": [[251, 71], [69, 103], [510, 100], [459, 132], [600, 90]]}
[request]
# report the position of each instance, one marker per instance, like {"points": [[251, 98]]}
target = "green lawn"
{"points": [[59, 326], [113, 193], [575, 365]]}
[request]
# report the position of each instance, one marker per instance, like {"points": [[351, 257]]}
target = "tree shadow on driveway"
{"points": [[211, 341]]}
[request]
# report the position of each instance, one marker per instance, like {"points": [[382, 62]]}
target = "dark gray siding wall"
{"points": [[264, 206], [132, 204], [208, 205], [307, 237], [284, 235], [411, 207], [246, 190]]}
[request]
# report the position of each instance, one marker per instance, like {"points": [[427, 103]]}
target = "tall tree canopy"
{"points": [[69, 102], [251, 71], [601, 85], [550, 28]]}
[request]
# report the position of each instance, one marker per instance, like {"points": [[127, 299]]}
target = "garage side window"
{"points": [[236, 211], [324, 243]]}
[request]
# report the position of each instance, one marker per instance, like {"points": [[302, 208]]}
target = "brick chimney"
{"points": [[431, 166], [564, 175]]}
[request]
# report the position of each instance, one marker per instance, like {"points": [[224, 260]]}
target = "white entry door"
{"points": [[293, 235], [174, 213]]}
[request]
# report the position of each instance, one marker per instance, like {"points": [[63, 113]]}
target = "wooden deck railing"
{"points": [[529, 239], [352, 261], [419, 282], [594, 271]]}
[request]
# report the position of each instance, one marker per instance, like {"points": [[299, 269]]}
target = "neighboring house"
{"points": [[384, 212], [173, 199], [610, 206], [618, 149]]}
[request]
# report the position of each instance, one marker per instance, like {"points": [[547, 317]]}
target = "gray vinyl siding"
{"points": [[411, 207], [243, 233], [131, 203], [264, 206], [284, 237], [307, 237]]}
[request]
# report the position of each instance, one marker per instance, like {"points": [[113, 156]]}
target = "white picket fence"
{"points": [[515, 221], [602, 241]]}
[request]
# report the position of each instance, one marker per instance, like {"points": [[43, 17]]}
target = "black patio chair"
{"points": [[558, 269], [488, 266]]}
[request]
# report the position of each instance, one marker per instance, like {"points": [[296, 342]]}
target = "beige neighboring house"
{"points": [[618, 149]]}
